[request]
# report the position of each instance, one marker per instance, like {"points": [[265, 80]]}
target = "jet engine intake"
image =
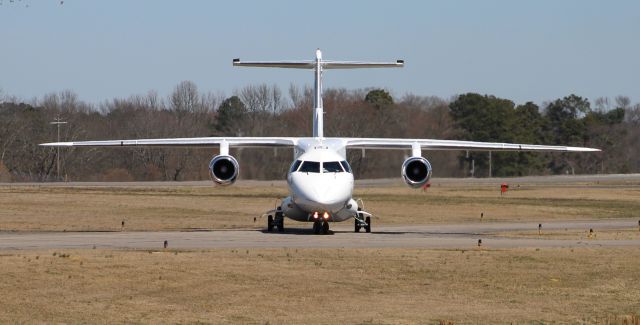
{"points": [[224, 169], [416, 171]]}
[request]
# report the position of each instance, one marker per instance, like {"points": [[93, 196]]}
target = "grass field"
{"points": [[335, 286], [327, 286], [170, 207]]}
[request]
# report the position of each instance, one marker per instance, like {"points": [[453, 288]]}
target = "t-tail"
{"points": [[318, 65]]}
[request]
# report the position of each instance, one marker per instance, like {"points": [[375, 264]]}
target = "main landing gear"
{"points": [[277, 222], [362, 222], [320, 226]]}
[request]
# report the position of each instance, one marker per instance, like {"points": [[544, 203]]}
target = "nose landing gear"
{"points": [[321, 226]]}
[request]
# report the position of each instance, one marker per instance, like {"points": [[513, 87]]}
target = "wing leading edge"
{"points": [[247, 142], [433, 144], [350, 143]]}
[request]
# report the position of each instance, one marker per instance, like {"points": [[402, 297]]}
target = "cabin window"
{"points": [[295, 166], [346, 166], [310, 167], [331, 167]]}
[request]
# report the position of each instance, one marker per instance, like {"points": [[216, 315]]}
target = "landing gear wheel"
{"points": [[357, 225], [325, 227], [317, 226], [367, 228], [279, 221], [270, 223]]}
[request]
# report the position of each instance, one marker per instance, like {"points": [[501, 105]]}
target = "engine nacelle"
{"points": [[416, 171], [224, 170]]}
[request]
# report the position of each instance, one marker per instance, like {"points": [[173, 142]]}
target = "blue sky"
{"points": [[525, 51]]}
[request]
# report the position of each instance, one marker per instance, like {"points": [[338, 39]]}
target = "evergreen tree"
{"points": [[230, 116]]}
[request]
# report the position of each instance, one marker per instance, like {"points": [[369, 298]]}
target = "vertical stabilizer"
{"points": [[318, 112]]}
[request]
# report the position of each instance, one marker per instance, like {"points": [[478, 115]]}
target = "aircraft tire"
{"points": [[317, 226], [280, 226], [270, 223], [280, 222], [367, 228], [356, 226], [325, 227]]}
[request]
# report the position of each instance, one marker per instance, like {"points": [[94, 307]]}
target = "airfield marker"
{"points": [[481, 215], [166, 243], [479, 242], [503, 188], [539, 229]]}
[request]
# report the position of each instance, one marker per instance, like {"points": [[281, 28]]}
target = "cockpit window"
{"points": [[346, 166], [310, 167], [331, 167], [295, 166]]}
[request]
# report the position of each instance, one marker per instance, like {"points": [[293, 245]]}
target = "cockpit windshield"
{"points": [[295, 166], [346, 166], [310, 167], [331, 167]]}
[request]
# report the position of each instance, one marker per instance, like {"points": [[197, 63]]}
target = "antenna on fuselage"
{"points": [[318, 65]]}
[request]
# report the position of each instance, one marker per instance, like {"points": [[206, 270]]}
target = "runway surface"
{"points": [[450, 236]]}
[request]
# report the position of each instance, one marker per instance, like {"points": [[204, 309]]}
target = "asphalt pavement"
{"points": [[300, 235]]}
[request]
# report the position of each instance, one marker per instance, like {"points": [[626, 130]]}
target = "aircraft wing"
{"points": [[247, 142], [433, 144], [351, 143]]}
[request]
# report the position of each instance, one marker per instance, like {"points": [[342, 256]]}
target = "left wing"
{"points": [[246, 142], [433, 144]]}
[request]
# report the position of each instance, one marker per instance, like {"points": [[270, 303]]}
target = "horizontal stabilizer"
{"points": [[324, 64], [276, 64], [359, 64]]}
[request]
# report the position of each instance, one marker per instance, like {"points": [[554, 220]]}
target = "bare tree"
{"points": [[184, 97]]}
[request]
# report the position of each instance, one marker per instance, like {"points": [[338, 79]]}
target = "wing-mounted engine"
{"points": [[416, 171], [223, 169]]}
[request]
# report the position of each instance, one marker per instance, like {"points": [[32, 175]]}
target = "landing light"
{"points": [[315, 215], [325, 216]]}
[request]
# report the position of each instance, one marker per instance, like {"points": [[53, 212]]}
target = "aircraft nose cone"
{"points": [[320, 194], [321, 197]]}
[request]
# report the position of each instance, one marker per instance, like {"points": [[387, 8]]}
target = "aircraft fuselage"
{"points": [[320, 182]]}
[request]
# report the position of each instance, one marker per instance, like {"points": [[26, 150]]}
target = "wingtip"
{"points": [[56, 144], [583, 149]]}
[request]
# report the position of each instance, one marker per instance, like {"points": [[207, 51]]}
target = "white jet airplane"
{"points": [[320, 180]]}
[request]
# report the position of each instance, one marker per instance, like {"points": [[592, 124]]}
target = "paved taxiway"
{"points": [[450, 236]]}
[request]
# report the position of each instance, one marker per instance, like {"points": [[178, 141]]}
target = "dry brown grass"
{"points": [[353, 286], [366, 286], [170, 207]]}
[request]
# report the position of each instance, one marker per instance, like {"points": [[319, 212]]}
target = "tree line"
{"points": [[263, 110]]}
